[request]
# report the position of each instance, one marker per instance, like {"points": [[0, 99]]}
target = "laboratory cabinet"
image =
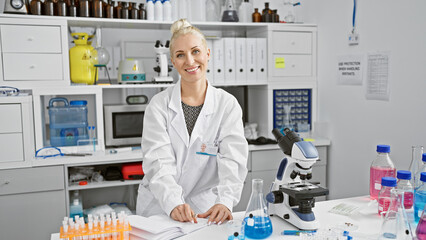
{"points": [[32, 202]]}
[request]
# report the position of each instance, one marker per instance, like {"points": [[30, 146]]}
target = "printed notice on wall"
{"points": [[350, 69], [378, 77]]}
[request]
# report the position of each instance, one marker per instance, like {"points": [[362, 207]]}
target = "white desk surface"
{"points": [[368, 222]]}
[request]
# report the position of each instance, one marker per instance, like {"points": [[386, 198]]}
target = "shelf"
{"points": [[145, 24], [104, 184]]}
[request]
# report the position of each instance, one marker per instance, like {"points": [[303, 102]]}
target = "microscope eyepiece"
{"points": [[287, 140]]}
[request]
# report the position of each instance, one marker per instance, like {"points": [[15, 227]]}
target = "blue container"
{"points": [[68, 123]]}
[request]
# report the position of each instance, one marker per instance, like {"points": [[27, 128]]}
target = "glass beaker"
{"points": [[421, 227], [257, 224]]}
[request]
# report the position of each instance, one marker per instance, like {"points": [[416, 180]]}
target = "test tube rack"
{"points": [[108, 232]]}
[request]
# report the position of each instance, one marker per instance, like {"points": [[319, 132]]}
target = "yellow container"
{"points": [[82, 64]]}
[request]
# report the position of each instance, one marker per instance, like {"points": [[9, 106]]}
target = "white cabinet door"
{"points": [[10, 121], [292, 42], [11, 147], [31, 39], [294, 65]]}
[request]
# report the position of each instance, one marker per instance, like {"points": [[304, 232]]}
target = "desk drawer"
{"points": [[10, 121], [294, 65], [292, 42], [11, 148], [25, 180], [32, 66], [30, 39]]}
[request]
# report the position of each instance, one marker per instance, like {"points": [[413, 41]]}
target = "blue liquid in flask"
{"points": [[257, 227]]}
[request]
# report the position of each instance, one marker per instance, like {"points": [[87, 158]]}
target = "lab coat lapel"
{"points": [[203, 119], [178, 120]]}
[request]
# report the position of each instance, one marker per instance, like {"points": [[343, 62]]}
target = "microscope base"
{"points": [[288, 214]]}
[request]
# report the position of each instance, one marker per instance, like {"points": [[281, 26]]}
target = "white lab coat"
{"points": [[174, 172]]}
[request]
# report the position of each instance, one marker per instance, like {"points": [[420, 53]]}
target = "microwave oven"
{"points": [[123, 124]]}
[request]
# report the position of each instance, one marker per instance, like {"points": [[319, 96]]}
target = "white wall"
{"points": [[357, 124]]}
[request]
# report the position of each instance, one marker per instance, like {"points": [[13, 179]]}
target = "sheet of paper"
{"points": [[378, 77], [349, 69]]}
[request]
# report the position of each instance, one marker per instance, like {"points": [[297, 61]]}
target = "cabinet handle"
{"points": [[293, 43], [32, 66], [6, 182], [30, 39], [293, 65]]}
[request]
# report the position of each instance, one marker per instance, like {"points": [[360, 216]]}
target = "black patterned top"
{"points": [[191, 114]]}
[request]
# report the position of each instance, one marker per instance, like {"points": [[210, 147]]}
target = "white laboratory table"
{"points": [[367, 222]]}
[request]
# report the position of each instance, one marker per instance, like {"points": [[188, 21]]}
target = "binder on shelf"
{"points": [[240, 60], [210, 66], [261, 59], [229, 53], [218, 61], [251, 59]]}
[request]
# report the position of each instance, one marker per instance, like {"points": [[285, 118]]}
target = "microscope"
{"points": [[162, 67], [292, 197]]}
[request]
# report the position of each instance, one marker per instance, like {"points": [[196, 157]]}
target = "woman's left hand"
{"points": [[218, 214]]}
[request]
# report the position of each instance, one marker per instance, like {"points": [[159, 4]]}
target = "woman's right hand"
{"points": [[183, 213]]}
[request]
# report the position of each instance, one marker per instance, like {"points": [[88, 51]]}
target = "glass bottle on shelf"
{"points": [[256, 16], [257, 224], [35, 7], [97, 8], [72, 10], [212, 14], [49, 8], [266, 15], [266, 9], [117, 10], [124, 11], [273, 15], [61, 8], [84, 8], [142, 11], [109, 10], [134, 11]]}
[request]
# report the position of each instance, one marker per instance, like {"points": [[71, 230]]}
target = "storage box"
{"points": [[132, 171]]}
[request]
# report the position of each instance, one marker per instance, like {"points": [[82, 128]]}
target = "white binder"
{"points": [[210, 67], [261, 60], [218, 61], [251, 59], [229, 51], [240, 60]]}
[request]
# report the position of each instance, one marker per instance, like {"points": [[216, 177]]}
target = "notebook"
{"points": [[159, 227]]}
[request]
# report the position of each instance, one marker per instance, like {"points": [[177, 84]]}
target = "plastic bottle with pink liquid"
{"points": [[382, 166]]}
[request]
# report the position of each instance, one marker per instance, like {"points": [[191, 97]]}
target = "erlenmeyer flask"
{"points": [[421, 227], [395, 222], [416, 164], [257, 224]]}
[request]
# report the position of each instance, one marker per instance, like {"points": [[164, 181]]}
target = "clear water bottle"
{"points": [[422, 168], [420, 198], [76, 207], [257, 224], [381, 167], [385, 197]]}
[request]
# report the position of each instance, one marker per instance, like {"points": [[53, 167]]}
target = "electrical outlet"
{"points": [[353, 39]]}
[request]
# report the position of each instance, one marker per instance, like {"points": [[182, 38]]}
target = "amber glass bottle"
{"points": [[61, 8], [117, 10], [109, 10], [256, 16], [84, 8], [97, 9], [35, 7], [142, 11], [266, 13], [49, 8], [266, 9], [134, 12], [124, 11], [72, 10]]}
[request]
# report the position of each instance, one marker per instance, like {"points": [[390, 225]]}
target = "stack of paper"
{"points": [[160, 227]]}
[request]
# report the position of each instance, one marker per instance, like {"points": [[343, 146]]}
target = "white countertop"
{"points": [[367, 222]]}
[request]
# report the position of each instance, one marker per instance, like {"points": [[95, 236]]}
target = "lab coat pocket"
{"points": [[144, 200]]}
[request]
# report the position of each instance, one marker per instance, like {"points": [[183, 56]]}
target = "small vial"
{"points": [[385, 197]]}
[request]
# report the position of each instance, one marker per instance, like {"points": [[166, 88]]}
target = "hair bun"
{"points": [[179, 24]]}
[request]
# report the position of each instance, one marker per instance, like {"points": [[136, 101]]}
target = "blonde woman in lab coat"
{"points": [[193, 144]]}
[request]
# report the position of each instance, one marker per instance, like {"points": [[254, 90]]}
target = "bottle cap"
{"points": [[391, 181], [424, 157], [78, 103], [383, 148], [403, 174], [423, 176]]}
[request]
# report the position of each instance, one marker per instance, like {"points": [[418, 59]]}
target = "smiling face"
{"points": [[190, 57]]}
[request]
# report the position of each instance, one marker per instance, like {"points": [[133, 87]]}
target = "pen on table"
{"points": [[297, 232]]}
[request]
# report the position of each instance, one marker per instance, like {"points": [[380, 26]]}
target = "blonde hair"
{"points": [[183, 27]]}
